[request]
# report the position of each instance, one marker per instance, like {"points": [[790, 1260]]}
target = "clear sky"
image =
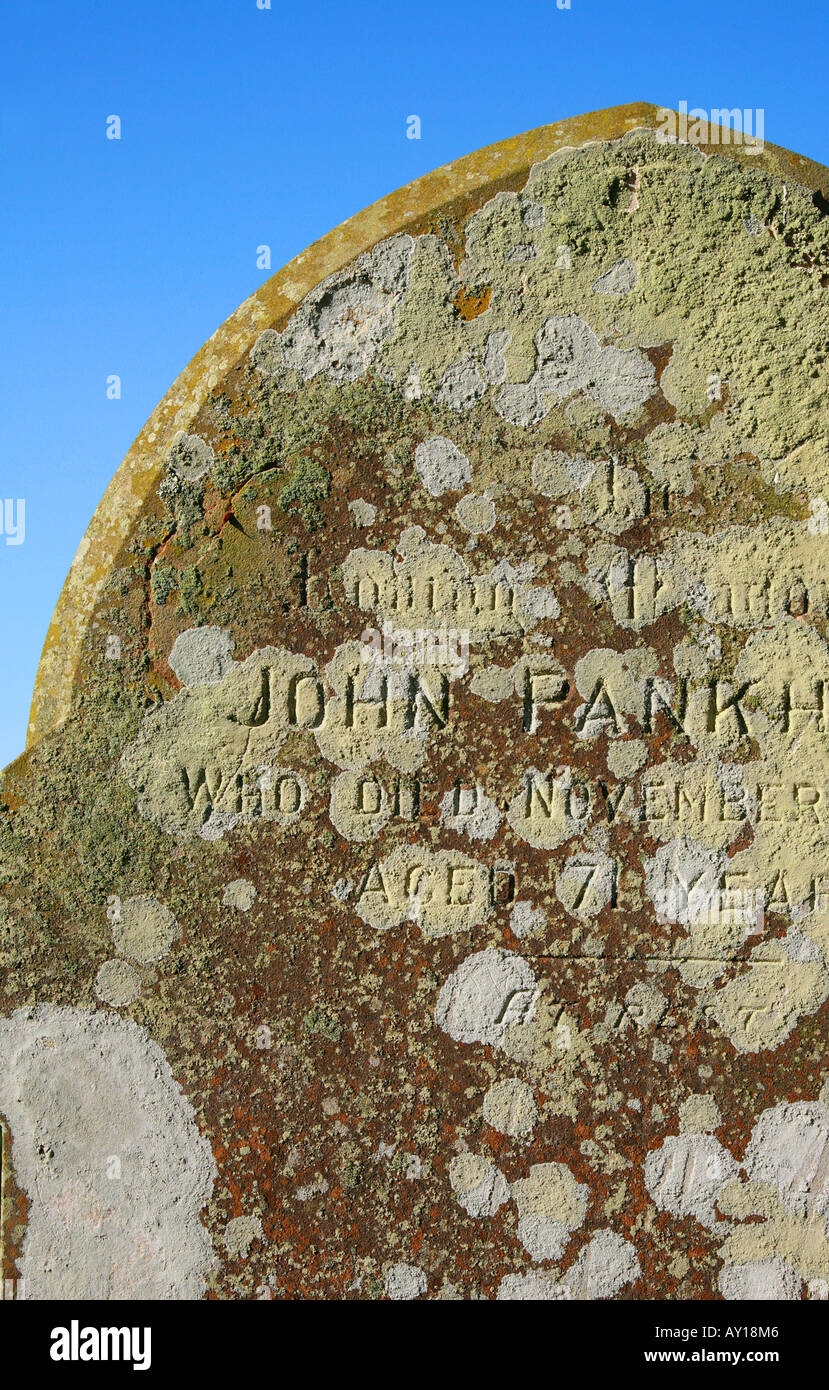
{"points": [[244, 126]]}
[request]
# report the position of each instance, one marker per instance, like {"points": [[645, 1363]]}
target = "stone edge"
{"points": [[406, 209]]}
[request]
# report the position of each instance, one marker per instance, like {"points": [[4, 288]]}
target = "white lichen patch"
{"points": [[605, 1265], [469, 811], [759, 1280], [478, 1185], [789, 1151], [107, 1150], [534, 1287], [551, 1205], [686, 1174], [682, 881], [526, 920], [404, 1281], [489, 993]]}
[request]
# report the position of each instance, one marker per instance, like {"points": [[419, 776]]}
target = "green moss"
{"points": [[352, 1174], [308, 485], [163, 581], [326, 1025], [189, 589]]}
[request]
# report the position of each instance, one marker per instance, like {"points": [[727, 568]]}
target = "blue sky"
{"points": [[243, 126]]}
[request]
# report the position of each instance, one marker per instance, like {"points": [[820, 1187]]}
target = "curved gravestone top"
{"points": [[416, 883]]}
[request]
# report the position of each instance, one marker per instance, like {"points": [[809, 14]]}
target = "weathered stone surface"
{"points": [[420, 859]]}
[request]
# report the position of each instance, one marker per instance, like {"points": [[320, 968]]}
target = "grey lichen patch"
{"points": [[117, 983], [239, 1235], [469, 811], [619, 279], [190, 457], [341, 325], [144, 929], [202, 655], [786, 1151], [241, 894], [441, 466], [94, 1109], [509, 1107], [461, 387], [476, 514], [493, 362], [570, 359], [526, 920]]}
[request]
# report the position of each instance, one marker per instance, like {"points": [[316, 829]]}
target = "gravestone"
{"points": [[416, 884]]}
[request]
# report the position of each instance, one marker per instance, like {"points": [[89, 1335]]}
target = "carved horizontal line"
{"points": [[670, 960]]}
